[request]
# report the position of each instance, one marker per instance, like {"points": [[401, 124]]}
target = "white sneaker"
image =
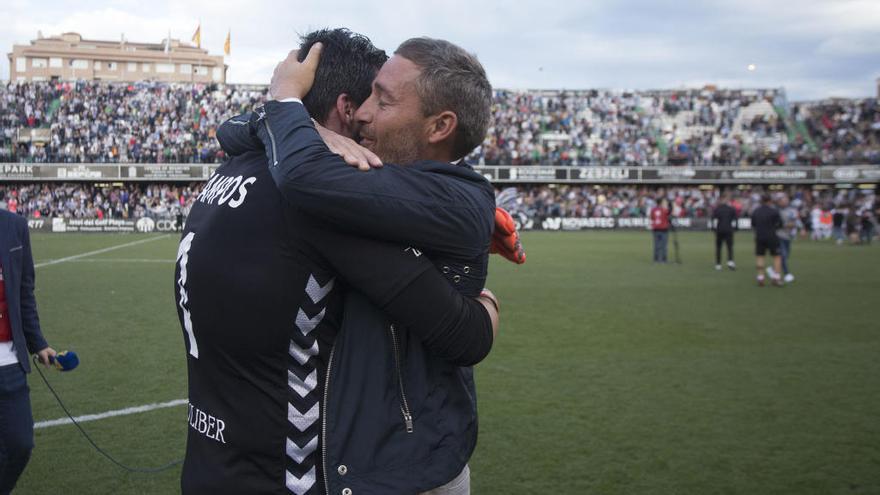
{"points": [[718, 267], [789, 278], [731, 265]]}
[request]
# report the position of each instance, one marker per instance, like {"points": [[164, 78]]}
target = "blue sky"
{"points": [[813, 48]]}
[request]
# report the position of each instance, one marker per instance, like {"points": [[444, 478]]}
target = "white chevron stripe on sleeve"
{"points": [[302, 387], [306, 324], [300, 486], [300, 420], [302, 355], [315, 291], [297, 453]]}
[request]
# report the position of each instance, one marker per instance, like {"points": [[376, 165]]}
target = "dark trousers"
{"points": [[16, 426], [661, 240], [785, 251], [723, 238]]}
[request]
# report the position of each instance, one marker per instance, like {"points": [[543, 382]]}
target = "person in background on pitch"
{"points": [[838, 217], [765, 222], [660, 224], [791, 224], [866, 233], [724, 223], [20, 336]]}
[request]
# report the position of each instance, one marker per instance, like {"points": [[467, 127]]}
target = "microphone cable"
{"points": [[101, 451]]}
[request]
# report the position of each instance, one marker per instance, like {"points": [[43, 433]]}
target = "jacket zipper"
{"points": [[324, 420], [272, 139], [404, 407]]}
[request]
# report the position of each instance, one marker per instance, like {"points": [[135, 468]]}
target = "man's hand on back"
{"points": [[353, 153], [294, 79]]}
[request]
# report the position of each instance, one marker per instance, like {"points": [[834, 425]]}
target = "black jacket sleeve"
{"points": [[237, 137], [30, 321], [404, 284], [427, 207]]}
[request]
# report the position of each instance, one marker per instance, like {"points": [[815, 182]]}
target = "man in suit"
{"points": [[20, 336]]}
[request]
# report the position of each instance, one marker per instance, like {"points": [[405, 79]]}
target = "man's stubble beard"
{"points": [[402, 149]]}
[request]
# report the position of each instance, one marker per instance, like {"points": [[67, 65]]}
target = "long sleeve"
{"points": [[237, 137], [443, 207], [406, 287], [30, 321]]}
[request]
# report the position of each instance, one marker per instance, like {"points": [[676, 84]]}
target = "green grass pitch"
{"points": [[611, 375]]}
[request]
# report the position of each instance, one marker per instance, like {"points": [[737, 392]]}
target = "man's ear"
{"points": [[345, 109], [340, 117], [442, 127]]}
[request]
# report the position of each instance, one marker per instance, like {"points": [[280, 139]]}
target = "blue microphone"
{"points": [[65, 360]]}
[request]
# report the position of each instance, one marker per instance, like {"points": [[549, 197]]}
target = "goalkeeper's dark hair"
{"points": [[349, 63]]}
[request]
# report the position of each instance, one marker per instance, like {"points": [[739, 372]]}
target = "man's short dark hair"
{"points": [[452, 79], [349, 63]]}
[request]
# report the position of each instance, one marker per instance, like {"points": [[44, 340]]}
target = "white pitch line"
{"points": [[99, 251], [109, 414]]}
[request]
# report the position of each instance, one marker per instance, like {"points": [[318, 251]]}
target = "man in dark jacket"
{"points": [[429, 108], [282, 251], [20, 336], [724, 224]]}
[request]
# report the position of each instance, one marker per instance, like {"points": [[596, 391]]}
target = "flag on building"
{"points": [[168, 42], [226, 48], [197, 36]]}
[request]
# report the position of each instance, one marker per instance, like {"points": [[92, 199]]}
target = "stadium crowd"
{"points": [[175, 123], [100, 122], [819, 209], [79, 200], [830, 211]]}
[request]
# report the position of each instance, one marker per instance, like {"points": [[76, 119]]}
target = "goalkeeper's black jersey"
{"points": [[259, 316]]}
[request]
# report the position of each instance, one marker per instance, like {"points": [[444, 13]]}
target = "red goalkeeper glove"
{"points": [[505, 239]]}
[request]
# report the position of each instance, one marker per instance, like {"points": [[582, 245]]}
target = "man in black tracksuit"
{"points": [[724, 224], [765, 222], [263, 415]]}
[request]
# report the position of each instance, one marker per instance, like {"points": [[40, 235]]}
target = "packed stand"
{"points": [[845, 131], [146, 122], [149, 122], [98, 201]]}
